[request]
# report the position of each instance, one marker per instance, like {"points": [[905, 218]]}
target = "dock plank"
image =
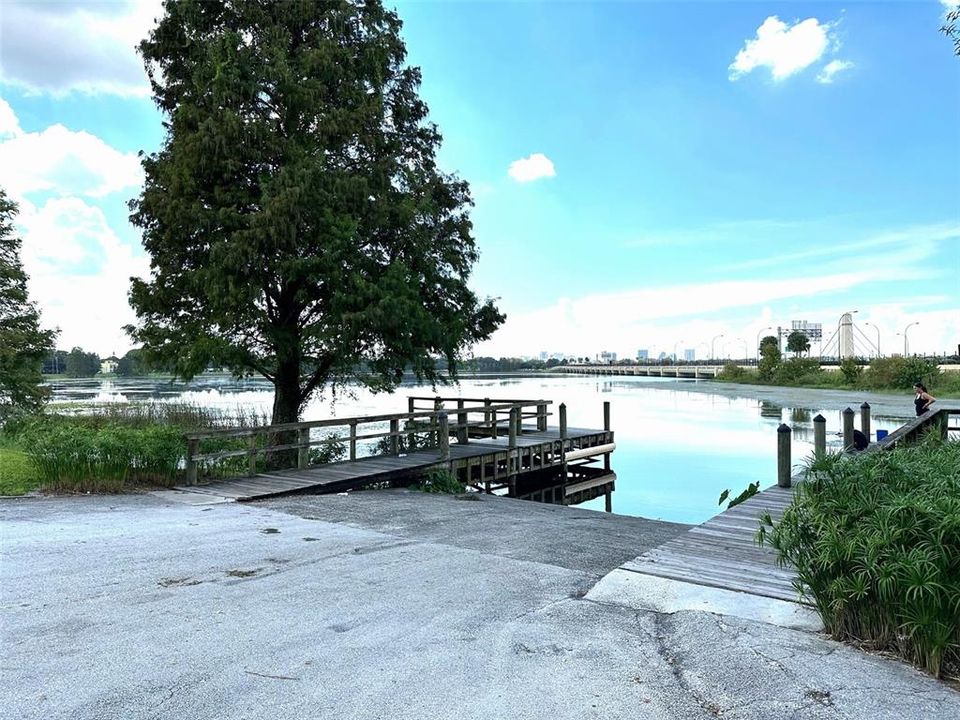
{"points": [[723, 553]]}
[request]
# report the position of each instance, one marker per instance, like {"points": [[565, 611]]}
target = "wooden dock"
{"points": [[498, 453], [723, 552]]}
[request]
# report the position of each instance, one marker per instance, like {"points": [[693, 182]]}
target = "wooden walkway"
{"points": [[341, 476], [723, 552]]}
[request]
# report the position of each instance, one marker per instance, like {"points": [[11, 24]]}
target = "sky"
{"points": [[646, 175]]}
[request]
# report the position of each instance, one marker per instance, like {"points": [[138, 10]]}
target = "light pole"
{"points": [[712, 354], [746, 350], [878, 336], [906, 344], [768, 327]]}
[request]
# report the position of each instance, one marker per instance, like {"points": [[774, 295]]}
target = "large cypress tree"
{"points": [[298, 224], [23, 344]]}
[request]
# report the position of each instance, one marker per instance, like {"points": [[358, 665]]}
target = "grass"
{"points": [[875, 540], [18, 476]]}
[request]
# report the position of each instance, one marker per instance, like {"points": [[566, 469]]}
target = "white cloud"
{"points": [[62, 161], [75, 46], [9, 125], [830, 70], [80, 273], [782, 48], [532, 167]]}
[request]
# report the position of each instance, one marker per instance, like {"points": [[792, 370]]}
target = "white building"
{"points": [[608, 357], [690, 354]]}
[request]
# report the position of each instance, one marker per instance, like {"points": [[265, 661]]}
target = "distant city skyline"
{"points": [[634, 184]]}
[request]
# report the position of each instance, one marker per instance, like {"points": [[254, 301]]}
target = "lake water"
{"points": [[680, 443]]}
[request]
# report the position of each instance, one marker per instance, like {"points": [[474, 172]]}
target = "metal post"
{"points": [[819, 436], [783, 455], [353, 440], [865, 420], [444, 436], [462, 435], [848, 429], [190, 466], [395, 437], [303, 452]]}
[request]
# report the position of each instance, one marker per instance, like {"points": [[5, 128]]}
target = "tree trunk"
{"points": [[286, 409]]}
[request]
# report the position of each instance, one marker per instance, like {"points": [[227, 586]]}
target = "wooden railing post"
{"points": [[512, 443], [411, 405], [252, 455], [462, 435], [606, 428], [353, 439], [443, 430], [542, 417], [437, 407], [190, 465], [563, 421], [783, 455], [394, 437], [865, 420], [848, 430], [819, 436], [493, 426], [303, 451], [486, 414]]}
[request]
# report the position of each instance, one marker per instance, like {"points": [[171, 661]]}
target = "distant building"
{"points": [[690, 354], [608, 357], [643, 355], [108, 366]]}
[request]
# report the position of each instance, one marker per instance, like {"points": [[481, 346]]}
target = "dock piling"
{"points": [[865, 420], [783, 455], [848, 429], [443, 435], [819, 436]]}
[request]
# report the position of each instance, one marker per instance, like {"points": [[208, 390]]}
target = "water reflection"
{"points": [[679, 444]]}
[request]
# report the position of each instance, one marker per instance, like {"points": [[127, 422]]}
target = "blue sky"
{"points": [[645, 174]]}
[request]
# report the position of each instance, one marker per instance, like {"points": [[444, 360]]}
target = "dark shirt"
{"points": [[921, 405]]}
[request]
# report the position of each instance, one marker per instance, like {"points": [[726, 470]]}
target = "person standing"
{"points": [[924, 399]]}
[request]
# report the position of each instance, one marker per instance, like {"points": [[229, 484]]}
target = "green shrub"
{"points": [[795, 370], [851, 370], [875, 540], [732, 372], [441, 480], [900, 373]]}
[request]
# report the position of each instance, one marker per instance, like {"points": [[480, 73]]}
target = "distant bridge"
{"points": [[679, 371]]}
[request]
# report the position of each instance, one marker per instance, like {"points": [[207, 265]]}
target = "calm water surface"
{"points": [[679, 443]]}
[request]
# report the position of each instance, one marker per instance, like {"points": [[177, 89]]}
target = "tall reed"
{"points": [[875, 540]]}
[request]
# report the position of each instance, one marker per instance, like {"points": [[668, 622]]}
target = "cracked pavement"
{"points": [[387, 605]]}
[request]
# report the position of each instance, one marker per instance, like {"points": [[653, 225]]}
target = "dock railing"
{"points": [[289, 445]]}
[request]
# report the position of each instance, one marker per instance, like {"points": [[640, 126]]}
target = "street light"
{"points": [[878, 336], [745, 349], [906, 345], [712, 354], [768, 327]]}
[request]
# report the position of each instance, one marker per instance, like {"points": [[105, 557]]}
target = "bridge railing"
{"points": [[289, 445]]}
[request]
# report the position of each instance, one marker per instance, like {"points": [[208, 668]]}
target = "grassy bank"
{"points": [[875, 540], [885, 375], [109, 448]]}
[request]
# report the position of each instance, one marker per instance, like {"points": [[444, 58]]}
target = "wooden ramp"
{"points": [[723, 552], [350, 474]]}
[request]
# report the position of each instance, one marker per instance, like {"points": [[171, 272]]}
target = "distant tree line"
{"points": [[79, 363]]}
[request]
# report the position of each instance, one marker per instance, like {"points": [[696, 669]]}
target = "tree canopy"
{"points": [[296, 218], [23, 344], [798, 342]]}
